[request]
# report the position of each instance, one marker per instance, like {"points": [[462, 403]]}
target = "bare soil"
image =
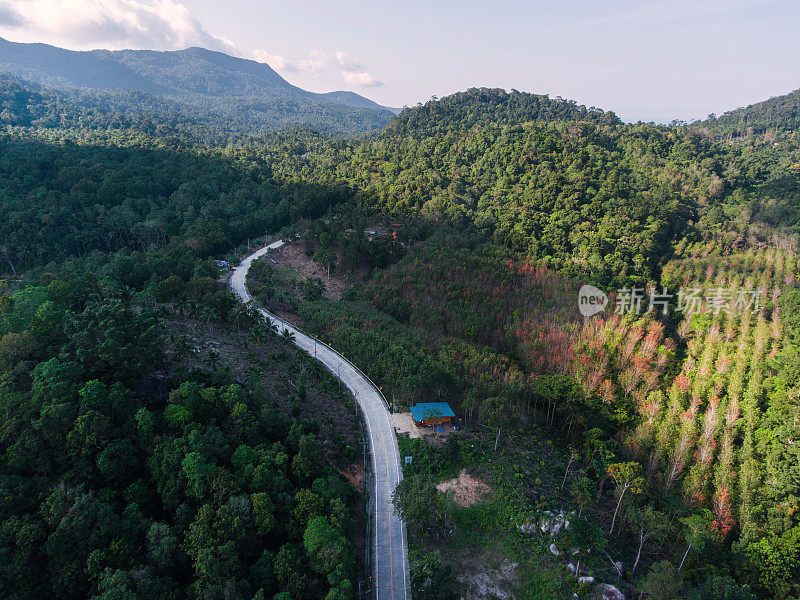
{"points": [[403, 423], [466, 490], [354, 475], [292, 255]]}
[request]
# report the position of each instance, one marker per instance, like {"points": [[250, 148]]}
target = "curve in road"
{"points": [[390, 556]]}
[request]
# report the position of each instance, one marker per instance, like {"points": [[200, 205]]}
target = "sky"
{"points": [[645, 60]]}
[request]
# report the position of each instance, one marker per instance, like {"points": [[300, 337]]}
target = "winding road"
{"points": [[390, 552]]}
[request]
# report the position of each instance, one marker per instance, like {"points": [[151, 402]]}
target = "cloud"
{"points": [[85, 24], [333, 68], [8, 16], [361, 79]]}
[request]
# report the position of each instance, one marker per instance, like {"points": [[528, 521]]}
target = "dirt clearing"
{"points": [[403, 423], [466, 489]]}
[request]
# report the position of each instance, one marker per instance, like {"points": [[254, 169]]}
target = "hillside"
{"points": [[696, 408], [778, 114], [486, 106], [194, 77]]}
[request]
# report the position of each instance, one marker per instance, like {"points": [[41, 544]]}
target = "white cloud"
{"points": [[9, 16], [85, 24], [361, 79], [320, 67]]}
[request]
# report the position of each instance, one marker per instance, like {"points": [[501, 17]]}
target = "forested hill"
{"points": [[488, 106], [194, 77], [125, 112], [571, 186], [778, 114]]}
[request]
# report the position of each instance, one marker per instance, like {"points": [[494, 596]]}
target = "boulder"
{"points": [[553, 550], [586, 579], [605, 591], [553, 523]]}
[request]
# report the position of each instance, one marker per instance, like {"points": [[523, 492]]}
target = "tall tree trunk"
{"points": [[614, 519], [564, 481], [638, 552], [685, 554]]}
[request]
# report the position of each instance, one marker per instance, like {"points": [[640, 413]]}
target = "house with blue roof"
{"points": [[427, 414]]}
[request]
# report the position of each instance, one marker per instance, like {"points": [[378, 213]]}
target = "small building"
{"points": [[427, 414]]}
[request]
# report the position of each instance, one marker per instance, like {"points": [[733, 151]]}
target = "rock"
{"points": [[553, 550], [619, 567], [571, 568], [605, 591], [586, 579], [527, 528], [553, 523]]}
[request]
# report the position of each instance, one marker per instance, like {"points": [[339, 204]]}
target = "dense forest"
{"points": [[159, 440], [138, 462]]}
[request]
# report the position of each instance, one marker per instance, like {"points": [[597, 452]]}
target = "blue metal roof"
{"points": [[428, 410]]}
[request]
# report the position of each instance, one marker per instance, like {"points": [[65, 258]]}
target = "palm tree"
{"points": [[272, 327], [208, 314], [212, 359], [182, 347], [237, 313]]}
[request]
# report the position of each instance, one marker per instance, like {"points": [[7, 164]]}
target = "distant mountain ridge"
{"points": [[194, 76]]}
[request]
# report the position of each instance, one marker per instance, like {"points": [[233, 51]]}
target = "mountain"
{"points": [[195, 77]]}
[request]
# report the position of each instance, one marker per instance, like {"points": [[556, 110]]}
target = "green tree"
{"points": [[263, 512], [432, 580], [663, 582], [697, 532], [627, 477]]}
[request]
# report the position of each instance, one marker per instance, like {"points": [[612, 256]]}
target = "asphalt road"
{"points": [[390, 551]]}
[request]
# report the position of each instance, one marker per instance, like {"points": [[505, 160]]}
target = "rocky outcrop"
{"points": [[605, 591]]}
